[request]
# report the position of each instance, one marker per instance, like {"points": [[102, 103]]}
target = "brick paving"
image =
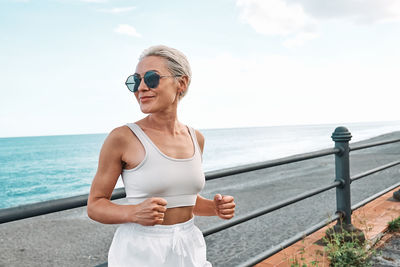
{"points": [[372, 219]]}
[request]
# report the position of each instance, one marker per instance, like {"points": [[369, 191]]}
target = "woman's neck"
{"points": [[167, 123]]}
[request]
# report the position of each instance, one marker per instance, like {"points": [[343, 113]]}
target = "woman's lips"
{"points": [[145, 98]]}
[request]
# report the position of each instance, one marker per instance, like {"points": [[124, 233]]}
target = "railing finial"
{"points": [[341, 134]]}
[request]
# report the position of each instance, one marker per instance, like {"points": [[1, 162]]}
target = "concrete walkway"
{"points": [[372, 219]]}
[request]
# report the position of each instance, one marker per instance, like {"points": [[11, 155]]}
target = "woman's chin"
{"points": [[147, 110]]}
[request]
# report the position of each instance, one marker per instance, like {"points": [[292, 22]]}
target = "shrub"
{"points": [[346, 249], [394, 225]]}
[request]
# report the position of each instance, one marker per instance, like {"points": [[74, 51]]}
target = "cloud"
{"points": [[127, 30], [299, 39], [275, 17], [355, 11], [280, 18], [297, 20], [117, 10]]}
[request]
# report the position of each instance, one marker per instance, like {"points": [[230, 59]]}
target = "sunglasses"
{"points": [[151, 79]]}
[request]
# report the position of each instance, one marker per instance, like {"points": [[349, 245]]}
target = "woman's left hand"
{"points": [[224, 206]]}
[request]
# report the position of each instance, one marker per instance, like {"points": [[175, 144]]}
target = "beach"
{"points": [[70, 238]]}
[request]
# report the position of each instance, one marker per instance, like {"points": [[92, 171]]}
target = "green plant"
{"points": [[346, 249], [295, 262], [344, 245], [394, 225]]}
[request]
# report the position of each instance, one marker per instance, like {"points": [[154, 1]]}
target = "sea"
{"points": [[40, 168]]}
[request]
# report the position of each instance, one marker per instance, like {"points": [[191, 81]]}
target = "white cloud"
{"points": [[356, 11], [275, 17], [127, 30], [117, 10], [299, 39], [297, 20]]}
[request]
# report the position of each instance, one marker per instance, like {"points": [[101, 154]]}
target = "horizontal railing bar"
{"points": [[36, 209], [375, 170], [45, 207], [270, 163], [263, 211], [50, 206], [288, 242], [358, 147], [373, 197]]}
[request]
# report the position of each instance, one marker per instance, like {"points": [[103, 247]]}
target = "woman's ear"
{"points": [[183, 83]]}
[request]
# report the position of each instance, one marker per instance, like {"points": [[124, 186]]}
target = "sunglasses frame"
{"points": [[152, 72]]}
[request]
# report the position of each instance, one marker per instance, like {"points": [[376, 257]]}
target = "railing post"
{"points": [[341, 136]]}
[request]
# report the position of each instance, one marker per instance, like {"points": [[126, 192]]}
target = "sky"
{"points": [[63, 63]]}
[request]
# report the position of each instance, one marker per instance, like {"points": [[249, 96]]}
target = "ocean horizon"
{"points": [[39, 168]]}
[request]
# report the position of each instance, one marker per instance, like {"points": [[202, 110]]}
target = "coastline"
{"points": [[70, 238]]}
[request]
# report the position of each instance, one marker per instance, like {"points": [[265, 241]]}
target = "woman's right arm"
{"points": [[100, 208]]}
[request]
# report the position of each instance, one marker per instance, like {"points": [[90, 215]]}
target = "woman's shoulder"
{"points": [[119, 132], [199, 135], [200, 138], [120, 135]]}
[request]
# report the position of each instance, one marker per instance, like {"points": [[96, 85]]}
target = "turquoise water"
{"points": [[34, 169]]}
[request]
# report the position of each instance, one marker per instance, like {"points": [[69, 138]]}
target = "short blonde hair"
{"points": [[177, 63]]}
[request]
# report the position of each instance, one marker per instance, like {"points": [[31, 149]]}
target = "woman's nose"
{"points": [[143, 86]]}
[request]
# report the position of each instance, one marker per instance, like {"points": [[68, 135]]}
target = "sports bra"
{"points": [[178, 181]]}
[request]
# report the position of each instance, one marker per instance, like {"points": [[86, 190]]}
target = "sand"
{"points": [[70, 238]]}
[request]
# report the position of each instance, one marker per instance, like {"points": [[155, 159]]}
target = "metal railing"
{"points": [[341, 136]]}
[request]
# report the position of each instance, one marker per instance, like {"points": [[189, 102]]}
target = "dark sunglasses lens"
{"points": [[132, 83], [152, 79], [136, 79]]}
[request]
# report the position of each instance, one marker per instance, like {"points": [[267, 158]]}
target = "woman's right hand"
{"points": [[150, 212]]}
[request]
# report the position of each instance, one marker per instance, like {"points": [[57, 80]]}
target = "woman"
{"points": [[159, 159]]}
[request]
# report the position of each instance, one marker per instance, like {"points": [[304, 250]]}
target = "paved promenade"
{"points": [[372, 219]]}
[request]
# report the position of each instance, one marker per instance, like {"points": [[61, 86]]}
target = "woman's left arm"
{"points": [[221, 206]]}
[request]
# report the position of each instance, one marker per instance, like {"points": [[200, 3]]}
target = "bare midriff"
{"points": [[178, 215]]}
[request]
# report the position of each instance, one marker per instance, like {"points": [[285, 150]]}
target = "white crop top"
{"points": [[178, 181]]}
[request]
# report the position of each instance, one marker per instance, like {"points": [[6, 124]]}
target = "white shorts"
{"points": [[178, 245]]}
